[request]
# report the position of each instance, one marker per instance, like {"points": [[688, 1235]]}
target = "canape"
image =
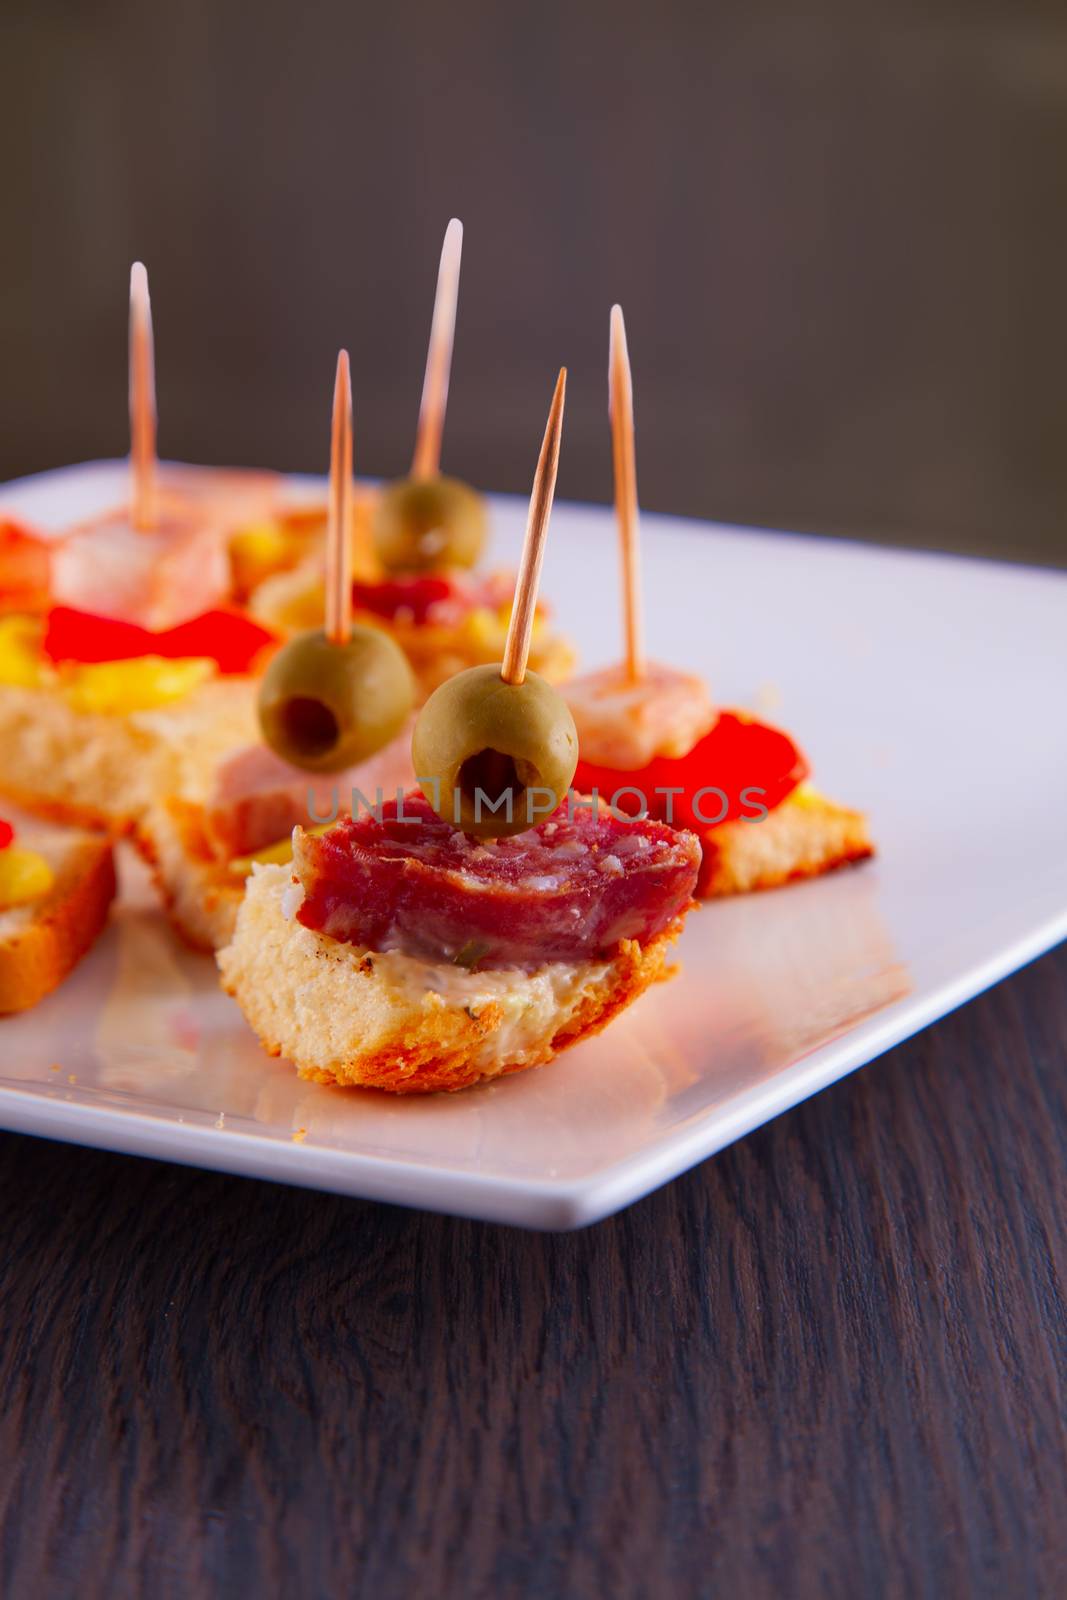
{"points": [[56, 888], [416, 546], [651, 738], [454, 935]]}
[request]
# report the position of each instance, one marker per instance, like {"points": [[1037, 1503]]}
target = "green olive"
{"points": [[325, 706], [477, 738], [422, 524]]}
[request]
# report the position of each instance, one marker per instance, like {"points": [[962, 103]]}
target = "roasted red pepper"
{"points": [[230, 639], [416, 595], [7, 833], [742, 765], [24, 568]]}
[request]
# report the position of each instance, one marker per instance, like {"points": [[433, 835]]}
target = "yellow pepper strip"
{"points": [[142, 684], [261, 549], [115, 687], [21, 664], [24, 876], [806, 794], [484, 628], [275, 855]]}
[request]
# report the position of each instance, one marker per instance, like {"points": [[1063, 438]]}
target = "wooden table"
{"points": [[829, 1362]]}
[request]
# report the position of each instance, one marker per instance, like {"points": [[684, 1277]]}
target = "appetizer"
{"points": [[334, 695], [415, 546], [397, 954], [426, 521], [162, 558], [334, 709], [97, 713], [477, 927], [117, 663], [55, 892], [651, 739]]}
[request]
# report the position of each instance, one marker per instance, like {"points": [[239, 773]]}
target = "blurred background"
{"points": [[838, 231]]}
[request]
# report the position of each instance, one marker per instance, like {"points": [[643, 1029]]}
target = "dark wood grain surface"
{"points": [[830, 1362]]}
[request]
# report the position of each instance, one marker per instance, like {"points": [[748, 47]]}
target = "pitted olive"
{"points": [[427, 524], [479, 739], [324, 706]]}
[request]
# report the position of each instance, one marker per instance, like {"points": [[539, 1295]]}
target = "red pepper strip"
{"points": [[231, 639], [752, 764], [416, 595], [7, 833], [228, 638], [24, 568]]}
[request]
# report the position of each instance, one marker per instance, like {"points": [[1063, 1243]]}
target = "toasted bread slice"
{"points": [[348, 1016], [40, 943], [201, 893], [804, 837], [195, 840], [102, 771]]}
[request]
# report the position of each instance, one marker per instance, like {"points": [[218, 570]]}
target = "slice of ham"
{"points": [[258, 798], [625, 725], [229, 495], [569, 889], [157, 577]]}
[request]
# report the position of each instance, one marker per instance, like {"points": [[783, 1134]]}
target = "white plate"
{"points": [[925, 689]]}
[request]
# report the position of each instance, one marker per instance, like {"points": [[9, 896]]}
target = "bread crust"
{"points": [[334, 1013], [67, 813], [65, 923], [200, 894], [804, 837]]}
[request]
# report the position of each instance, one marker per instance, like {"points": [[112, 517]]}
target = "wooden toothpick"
{"points": [[338, 544], [621, 412], [142, 386], [517, 645], [427, 458]]}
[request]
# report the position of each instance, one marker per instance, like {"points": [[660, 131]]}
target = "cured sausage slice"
{"points": [[569, 889]]}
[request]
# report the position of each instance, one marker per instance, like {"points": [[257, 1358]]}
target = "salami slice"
{"points": [[569, 889]]}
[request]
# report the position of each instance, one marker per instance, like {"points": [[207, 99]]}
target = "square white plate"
{"points": [[925, 689]]}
